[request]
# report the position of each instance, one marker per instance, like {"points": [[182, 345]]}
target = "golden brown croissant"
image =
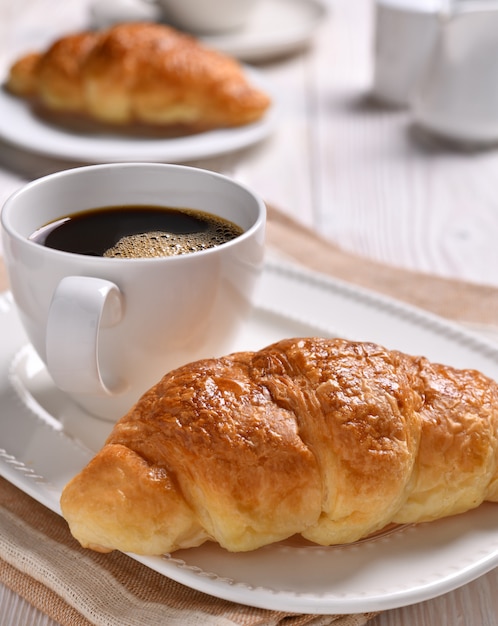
{"points": [[139, 73], [328, 438]]}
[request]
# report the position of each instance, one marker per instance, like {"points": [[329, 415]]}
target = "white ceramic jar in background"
{"points": [[404, 38], [107, 328], [458, 96]]}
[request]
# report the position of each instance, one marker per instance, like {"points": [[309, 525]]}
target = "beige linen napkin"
{"points": [[76, 587]]}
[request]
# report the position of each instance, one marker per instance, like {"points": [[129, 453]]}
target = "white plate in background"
{"points": [[20, 126]]}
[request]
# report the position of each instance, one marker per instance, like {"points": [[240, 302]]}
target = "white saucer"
{"points": [[45, 441], [276, 28]]}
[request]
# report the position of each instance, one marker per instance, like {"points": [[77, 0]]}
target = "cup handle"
{"points": [[80, 307]]}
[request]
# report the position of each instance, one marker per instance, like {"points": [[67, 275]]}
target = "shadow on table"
{"points": [[28, 165], [366, 105]]}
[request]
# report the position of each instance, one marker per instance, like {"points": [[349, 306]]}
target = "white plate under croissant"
{"points": [[134, 91], [403, 565]]}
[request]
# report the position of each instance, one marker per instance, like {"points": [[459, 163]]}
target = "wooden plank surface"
{"points": [[356, 172]]}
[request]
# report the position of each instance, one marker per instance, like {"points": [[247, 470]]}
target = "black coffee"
{"points": [[136, 232]]}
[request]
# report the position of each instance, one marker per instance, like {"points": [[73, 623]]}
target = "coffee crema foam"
{"points": [[161, 244]]}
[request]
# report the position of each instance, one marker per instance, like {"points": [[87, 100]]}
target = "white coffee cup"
{"points": [[207, 18], [107, 329]]}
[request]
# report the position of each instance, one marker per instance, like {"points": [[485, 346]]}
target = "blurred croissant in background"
{"points": [[327, 438], [141, 73]]}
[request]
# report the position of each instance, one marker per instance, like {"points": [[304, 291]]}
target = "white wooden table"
{"points": [[354, 171]]}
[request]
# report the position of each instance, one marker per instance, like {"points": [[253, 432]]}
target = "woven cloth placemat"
{"points": [[40, 561], [77, 587]]}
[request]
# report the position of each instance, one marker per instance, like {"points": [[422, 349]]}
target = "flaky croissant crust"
{"points": [[326, 438], [139, 73]]}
